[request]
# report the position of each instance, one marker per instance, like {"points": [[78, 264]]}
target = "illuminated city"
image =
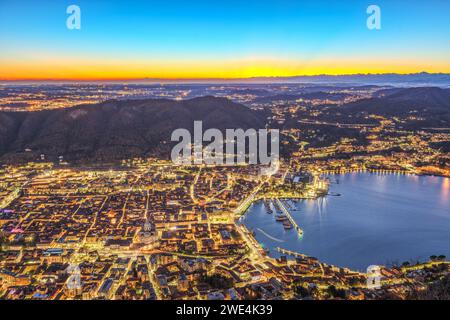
{"points": [[145, 228], [94, 206]]}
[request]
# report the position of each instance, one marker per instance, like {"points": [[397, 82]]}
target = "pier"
{"points": [[289, 216], [291, 253]]}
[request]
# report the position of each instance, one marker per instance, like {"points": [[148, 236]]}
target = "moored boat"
{"points": [[281, 218]]}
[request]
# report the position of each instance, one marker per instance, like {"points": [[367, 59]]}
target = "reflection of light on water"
{"points": [[445, 189], [322, 205], [309, 204], [321, 209], [318, 207], [413, 178], [381, 181]]}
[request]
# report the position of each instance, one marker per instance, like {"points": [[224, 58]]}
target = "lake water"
{"points": [[378, 219]]}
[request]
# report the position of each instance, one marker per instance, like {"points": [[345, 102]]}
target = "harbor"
{"points": [[289, 217], [338, 230]]}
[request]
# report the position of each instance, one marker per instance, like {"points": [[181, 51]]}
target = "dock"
{"points": [[291, 253], [289, 216]]}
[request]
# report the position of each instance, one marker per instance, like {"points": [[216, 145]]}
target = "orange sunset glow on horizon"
{"points": [[78, 69]]}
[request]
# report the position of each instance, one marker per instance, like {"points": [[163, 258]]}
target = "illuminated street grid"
{"points": [[152, 230]]}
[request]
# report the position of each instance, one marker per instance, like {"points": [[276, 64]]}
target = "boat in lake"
{"points": [[335, 194], [287, 224], [281, 218], [267, 206]]}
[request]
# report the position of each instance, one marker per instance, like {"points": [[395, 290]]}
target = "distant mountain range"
{"points": [[114, 129], [394, 79]]}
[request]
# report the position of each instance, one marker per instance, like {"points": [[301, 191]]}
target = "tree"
{"points": [[437, 290], [218, 281], [302, 291], [337, 293]]}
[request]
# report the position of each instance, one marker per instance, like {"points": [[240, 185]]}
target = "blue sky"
{"points": [[215, 31]]}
